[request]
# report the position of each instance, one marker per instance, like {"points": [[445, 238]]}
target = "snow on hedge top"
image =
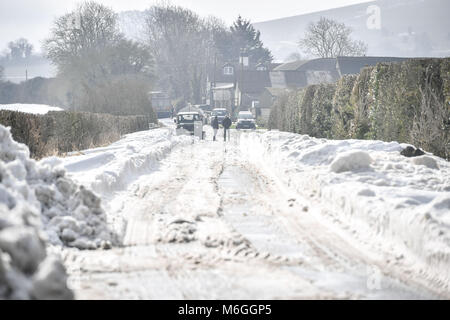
{"points": [[29, 108]]}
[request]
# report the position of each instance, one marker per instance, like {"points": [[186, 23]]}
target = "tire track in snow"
{"points": [[328, 250], [270, 252], [339, 251]]}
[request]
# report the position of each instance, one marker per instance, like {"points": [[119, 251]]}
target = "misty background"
{"points": [[406, 28]]}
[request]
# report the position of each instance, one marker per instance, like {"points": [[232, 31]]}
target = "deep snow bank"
{"points": [[369, 185], [70, 214], [112, 168], [25, 269]]}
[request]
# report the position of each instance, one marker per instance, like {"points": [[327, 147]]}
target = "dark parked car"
{"points": [[186, 120]]}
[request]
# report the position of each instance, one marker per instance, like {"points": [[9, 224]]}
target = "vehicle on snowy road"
{"points": [[186, 120], [245, 121]]}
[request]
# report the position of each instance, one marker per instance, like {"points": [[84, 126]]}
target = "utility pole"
{"points": [[213, 83], [241, 87]]}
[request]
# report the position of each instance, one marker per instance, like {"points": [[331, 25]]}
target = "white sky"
{"points": [[32, 19]]}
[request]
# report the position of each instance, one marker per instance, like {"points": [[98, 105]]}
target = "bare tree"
{"points": [[20, 49], [182, 45], [328, 38], [104, 71], [89, 28]]}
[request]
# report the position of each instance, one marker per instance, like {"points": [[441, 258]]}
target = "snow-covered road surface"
{"points": [[214, 220]]}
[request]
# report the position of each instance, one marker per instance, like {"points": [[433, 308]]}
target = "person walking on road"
{"points": [[226, 127], [215, 126]]}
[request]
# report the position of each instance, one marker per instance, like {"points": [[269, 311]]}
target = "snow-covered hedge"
{"points": [[406, 102], [63, 131]]}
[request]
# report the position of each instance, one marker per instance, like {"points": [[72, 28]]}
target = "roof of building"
{"points": [[290, 66], [224, 87], [252, 81], [276, 92], [328, 64], [219, 77], [273, 65], [353, 65]]}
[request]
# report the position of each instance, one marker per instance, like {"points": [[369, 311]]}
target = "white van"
{"points": [[246, 121]]}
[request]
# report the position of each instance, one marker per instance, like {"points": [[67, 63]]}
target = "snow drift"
{"points": [[71, 214], [369, 186], [351, 161], [25, 269], [112, 168]]}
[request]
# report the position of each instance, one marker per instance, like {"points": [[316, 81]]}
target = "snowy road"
{"points": [[204, 221]]}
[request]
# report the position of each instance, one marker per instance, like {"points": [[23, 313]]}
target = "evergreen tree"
{"points": [[245, 37]]}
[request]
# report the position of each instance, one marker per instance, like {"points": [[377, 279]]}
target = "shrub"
{"points": [[342, 114], [63, 131], [408, 102]]}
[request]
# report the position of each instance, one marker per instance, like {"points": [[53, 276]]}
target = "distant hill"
{"points": [[409, 28], [17, 71]]}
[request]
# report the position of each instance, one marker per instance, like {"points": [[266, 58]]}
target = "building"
{"points": [[302, 73], [238, 86], [220, 87], [353, 65], [161, 104], [256, 87], [250, 85]]}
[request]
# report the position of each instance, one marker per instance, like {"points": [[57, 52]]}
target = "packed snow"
{"points": [[370, 185], [29, 108]]}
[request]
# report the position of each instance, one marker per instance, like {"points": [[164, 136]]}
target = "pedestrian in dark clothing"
{"points": [[226, 127], [215, 126]]}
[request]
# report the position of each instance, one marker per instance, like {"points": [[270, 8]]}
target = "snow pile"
{"points": [[369, 186], [25, 269], [112, 168], [71, 214], [29, 108], [351, 161], [427, 162]]}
